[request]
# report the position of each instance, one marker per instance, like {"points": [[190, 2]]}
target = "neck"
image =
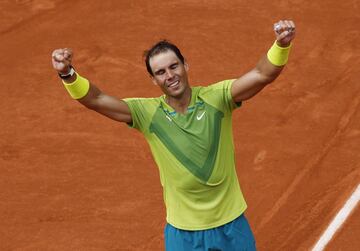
{"points": [[181, 103]]}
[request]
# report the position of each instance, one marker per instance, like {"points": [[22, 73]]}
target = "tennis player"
{"points": [[189, 131]]}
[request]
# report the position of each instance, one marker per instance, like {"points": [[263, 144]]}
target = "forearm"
{"points": [[267, 71], [82, 90], [93, 98], [90, 100], [86, 93], [270, 66]]}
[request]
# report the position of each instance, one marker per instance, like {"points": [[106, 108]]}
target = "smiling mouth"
{"points": [[174, 84]]}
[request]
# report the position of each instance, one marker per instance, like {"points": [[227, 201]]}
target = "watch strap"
{"points": [[69, 74]]}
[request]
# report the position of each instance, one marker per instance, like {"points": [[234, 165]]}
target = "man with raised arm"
{"points": [[189, 131]]}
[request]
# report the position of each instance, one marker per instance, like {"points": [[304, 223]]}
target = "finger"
{"points": [[66, 62], [69, 50], [287, 23], [277, 27], [288, 26], [59, 57], [283, 35], [68, 53], [63, 55], [55, 53], [292, 25], [61, 66], [283, 25], [280, 27]]}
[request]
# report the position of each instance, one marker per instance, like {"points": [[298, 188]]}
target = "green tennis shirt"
{"points": [[195, 155]]}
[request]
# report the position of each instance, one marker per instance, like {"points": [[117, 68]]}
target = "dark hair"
{"points": [[159, 47]]}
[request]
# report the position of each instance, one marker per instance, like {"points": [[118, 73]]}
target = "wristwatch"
{"points": [[69, 74]]}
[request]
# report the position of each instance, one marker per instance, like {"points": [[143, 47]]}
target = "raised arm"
{"points": [[269, 66], [86, 93]]}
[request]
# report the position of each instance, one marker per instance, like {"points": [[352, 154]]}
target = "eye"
{"points": [[160, 72], [174, 66]]}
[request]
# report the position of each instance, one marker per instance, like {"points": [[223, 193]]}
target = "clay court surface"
{"points": [[71, 179]]}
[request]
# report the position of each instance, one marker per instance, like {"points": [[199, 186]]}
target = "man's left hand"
{"points": [[285, 32]]}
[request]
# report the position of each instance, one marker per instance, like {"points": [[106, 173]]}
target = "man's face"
{"points": [[170, 74]]}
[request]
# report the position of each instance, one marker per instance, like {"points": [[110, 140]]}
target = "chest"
{"points": [[192, 138]]}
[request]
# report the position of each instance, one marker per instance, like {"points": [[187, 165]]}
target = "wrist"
{"points": [[67, 73], [283, 45], [77, 86], [278, 55]]}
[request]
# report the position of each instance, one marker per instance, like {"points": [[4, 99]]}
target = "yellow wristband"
{"points": [[79, 88], [278, 55]]}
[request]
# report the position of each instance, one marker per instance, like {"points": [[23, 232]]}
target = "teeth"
{"points": [[173, 84]]}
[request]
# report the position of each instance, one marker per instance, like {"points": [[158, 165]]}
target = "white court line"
{"points": [[338, 220]]}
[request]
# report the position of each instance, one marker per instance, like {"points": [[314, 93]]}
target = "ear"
{"points": [[153, 80], [186, 65]]}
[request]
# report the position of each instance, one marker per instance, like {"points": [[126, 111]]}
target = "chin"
{"points": [[176, 93]]}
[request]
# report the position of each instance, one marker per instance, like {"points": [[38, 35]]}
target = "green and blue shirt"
{"points": [[195, 155]]}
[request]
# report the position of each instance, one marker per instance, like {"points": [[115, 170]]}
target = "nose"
{"points": [[169, 74]]}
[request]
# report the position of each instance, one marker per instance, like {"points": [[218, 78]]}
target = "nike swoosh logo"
{"points": [[201, 115]]}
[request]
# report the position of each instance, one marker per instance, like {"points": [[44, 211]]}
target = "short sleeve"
{"points": [[141, 112], [219, 95]]}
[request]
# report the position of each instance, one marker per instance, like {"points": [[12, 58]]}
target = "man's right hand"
{"points": [[61, 60], [95, 99]]}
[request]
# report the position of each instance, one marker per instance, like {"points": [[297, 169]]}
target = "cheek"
{"points": [[158, 81]]}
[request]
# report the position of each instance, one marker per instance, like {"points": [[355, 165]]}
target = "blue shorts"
{"points": [[233, 236]]}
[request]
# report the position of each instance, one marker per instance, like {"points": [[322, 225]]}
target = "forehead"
{"points": [[163, 60]]}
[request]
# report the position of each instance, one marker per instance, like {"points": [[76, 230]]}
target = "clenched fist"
{"points": [[61, 60], [285, 32]]}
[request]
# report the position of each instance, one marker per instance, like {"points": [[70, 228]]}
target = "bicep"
{"points": [[247, 85], [255, 80], [107, 105]]}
